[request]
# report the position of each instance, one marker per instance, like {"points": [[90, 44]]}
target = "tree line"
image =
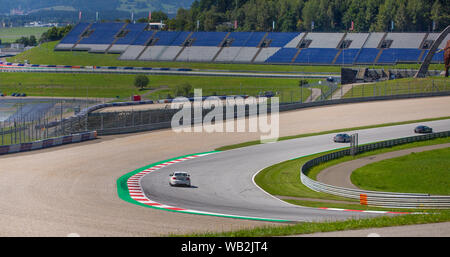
{"points": [[313, 15]]}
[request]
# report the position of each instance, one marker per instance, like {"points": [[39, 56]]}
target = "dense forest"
{"points": [[313, 15]]}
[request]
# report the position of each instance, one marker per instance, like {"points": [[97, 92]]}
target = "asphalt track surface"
{"points": [[222, 182], [72, 189]]}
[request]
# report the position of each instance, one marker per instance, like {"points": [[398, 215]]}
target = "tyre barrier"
{"points": [[46, 143], [376, 198]]}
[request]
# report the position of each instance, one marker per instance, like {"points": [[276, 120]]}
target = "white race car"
{"points": [[180, 178]]}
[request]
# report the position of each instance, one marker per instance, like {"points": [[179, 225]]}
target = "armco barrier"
{"points": [[283, 107], [376, 198], [41, 144]]}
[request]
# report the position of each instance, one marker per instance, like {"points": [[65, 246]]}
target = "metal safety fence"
{"points": [[376, 198]]}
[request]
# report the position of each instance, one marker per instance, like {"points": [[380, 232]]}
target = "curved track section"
{"points": [[223, 182], [73, 189]]}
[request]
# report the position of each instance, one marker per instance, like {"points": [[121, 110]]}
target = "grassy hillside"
{"points": [[168, 6], [10, 35]]}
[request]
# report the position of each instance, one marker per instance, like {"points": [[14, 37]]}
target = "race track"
{"points": [[222, 182], [72, 189]]}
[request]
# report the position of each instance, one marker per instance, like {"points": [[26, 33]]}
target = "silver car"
{"points": [[180, 178], [342, 138]]}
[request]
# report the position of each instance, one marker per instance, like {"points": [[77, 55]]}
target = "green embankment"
{"points": [[109, 85], [400, 86], [44, 54], [425, 172]]}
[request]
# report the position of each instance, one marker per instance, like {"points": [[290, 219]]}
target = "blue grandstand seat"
{"points": [[180, 38], [347, 56], [166, 38], [394, 55], [248, 39], [281, 39], [243, 47], [317, 55], [134, 30], [143, 37], [284, 55], [367, 55], [208, 38], [103, 33], [438, 57], [74, 35]]}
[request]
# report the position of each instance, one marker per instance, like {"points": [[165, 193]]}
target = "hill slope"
{"points": [[169, 6]]}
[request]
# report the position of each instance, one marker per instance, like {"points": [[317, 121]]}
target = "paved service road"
{"points": [[223, 183]]}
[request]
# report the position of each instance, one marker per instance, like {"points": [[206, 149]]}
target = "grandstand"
{"points": [[138, 42]]}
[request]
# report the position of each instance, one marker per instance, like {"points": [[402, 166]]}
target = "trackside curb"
{"points": [[129, 189]]}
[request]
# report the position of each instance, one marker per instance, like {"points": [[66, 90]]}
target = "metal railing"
{"points": [[37, 119], [376, 198]]}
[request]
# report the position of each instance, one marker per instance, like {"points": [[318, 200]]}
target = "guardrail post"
{"points": [[354, 144]]}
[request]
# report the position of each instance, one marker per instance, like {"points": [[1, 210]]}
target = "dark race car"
{"points": [[342, 138], [423, 129]]}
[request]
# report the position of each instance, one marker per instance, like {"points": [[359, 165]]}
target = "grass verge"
{"points": [[315, 227]]}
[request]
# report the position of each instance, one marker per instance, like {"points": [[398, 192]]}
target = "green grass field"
{"points": [[400, 86], [112, 85], [10, 35], [425, 172], [44, 54]]}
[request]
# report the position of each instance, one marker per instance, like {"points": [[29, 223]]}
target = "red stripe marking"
{"points": [[152, 204], [140, 199], [175, 209], [355, 210]]}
